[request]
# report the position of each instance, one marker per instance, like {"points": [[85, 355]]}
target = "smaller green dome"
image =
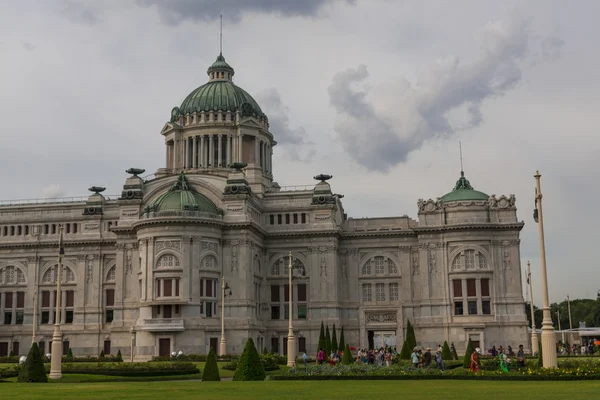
{"points": [[220, 65], [464, 191], [182, 197]]}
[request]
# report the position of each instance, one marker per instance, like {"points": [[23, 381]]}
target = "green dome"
{"points": [[219, 94], [464, 191], [182, 197]]}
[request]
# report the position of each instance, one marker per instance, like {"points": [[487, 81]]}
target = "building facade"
{"points": [[145, 269]]}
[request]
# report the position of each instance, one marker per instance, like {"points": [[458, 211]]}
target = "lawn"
{"points": [[406, 390]]}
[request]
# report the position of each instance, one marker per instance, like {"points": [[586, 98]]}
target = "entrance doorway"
{"points": [[275, 345], [164, 347], [214, 344], [3, 349], [475, 342]]}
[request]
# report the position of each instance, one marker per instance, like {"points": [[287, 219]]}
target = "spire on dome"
{"points": [[220, 69], [463, 183]]}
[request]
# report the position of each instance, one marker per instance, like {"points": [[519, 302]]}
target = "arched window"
{"points": [[111, 275], [469, 260], [12, 275], [51, 274], [209, 262], [379, 265], [167, 261], [281, 266]]}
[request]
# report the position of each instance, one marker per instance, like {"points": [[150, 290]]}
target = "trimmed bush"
{"points": [[454, 353], [327, 343], [342, 344], [271, 362], [249, 367], [406, 351], [101, 354], [33, 370], [131, 369], [69, 354], [540, 361], [321, 344], [446, 353], [410, 336], [9, 360], [211, 369], [334, 342], [467, 357], [119, 356], [347, 358]]}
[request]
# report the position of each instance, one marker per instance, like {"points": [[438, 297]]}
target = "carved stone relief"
{"points": [[167, 244], [380, 317]]}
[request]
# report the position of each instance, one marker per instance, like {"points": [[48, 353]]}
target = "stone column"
{"points": [[240, 141], [268, 158], [202, 155], [228, 150], [211, 150], [175, 158], [194, 153], [2, 301], [220, 150], [256, 151]]}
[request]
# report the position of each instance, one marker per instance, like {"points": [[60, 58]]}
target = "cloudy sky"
{"points": [[377, 93]]}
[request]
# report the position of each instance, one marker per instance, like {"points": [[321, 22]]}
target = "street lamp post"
{"points": [[548, 340], [223, 343], [34, 316], [132, 332], [570, 323], [535, 347], [56, 355], [291, 342]]}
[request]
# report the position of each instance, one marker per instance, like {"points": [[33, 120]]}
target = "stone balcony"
{"points": [[162, 325]]}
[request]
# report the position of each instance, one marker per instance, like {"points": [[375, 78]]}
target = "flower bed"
{"points": [[585, 371], [131, 369]]}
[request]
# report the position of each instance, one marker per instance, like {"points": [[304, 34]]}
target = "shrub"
{"points": [[12, 354], [69, 355], [9, 360], [540, 361], [188, 358], [271, 362], [342, 344], [446, 353], [347, 358], [454, 353], [101, 354], [410, 336], [327, 343], [211, 370], [119, 356], [249, 367], [334, 342], [265, 350], [131, 369], [33, 370], [467, 357], [406, 351], [321, 344], [231, 366]]}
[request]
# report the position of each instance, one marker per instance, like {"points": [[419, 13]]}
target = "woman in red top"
{"points": [[474, 362]]}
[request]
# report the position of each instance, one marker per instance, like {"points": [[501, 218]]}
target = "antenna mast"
{"points": [[221, 37], [461, 159]]}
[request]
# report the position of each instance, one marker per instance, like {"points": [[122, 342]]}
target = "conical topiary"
{"points": [[454, 353], [33, 369], [347, 358], [327, 343], [119, 356], [70, 354], [468, 352], [334, 342], [446, 353], [265, 350], [211, 369], [249, 367], [342, 344], [406, 351], [321, 344], [410, 336]]}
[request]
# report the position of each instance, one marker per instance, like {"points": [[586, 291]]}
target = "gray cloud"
{"points": [[175, 11], [80, 12], [28, 46], [422, 112], [293, 140]]}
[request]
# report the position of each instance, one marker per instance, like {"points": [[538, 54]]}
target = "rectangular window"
{"points": [[286, 311], [42, 346], [74, 228], [302, 345], [286, 292], [8, 318], [485, 287], [275, 293], [65, 347], [272, 219], [106, 347], [486, 307], [380, 291], [46, 229], [471, 291], [8, 297], [176, 287], [209, 309], [109, 315], [16, 348], [301, 311], [157, 282], [301, 292], [70, 298], [303, 218], [209, 288], [20, 299], [393, 292], [472, 304], [69, 317], [110, 297], [458, 308], [366, 292], [275, 312], [295, 218], [45, 299], [45, 317], [279, 219], [26, 230], [19, 230], [19, 317], [457, 284], [202, 287], [168, 288], [287, 218]]}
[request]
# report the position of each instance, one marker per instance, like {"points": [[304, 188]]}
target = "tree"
{"points": [[265, 350], [211, 369], [249, 366], [33, 369], [334, 342], [410, 336], [540, 360], [342, 344], [406, 351], [119, 356], [446, 353], [468, 352], [321, 344], [70, 355], [347, 358], [327, 342]]}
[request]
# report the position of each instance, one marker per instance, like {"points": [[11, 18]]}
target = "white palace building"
{"points": [[146, 267]]}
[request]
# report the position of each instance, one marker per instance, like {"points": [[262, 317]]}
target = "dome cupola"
{"points": [[464, 191], [181, 197]]}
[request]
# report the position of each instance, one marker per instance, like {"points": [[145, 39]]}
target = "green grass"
{"points": [[407, 390]]}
